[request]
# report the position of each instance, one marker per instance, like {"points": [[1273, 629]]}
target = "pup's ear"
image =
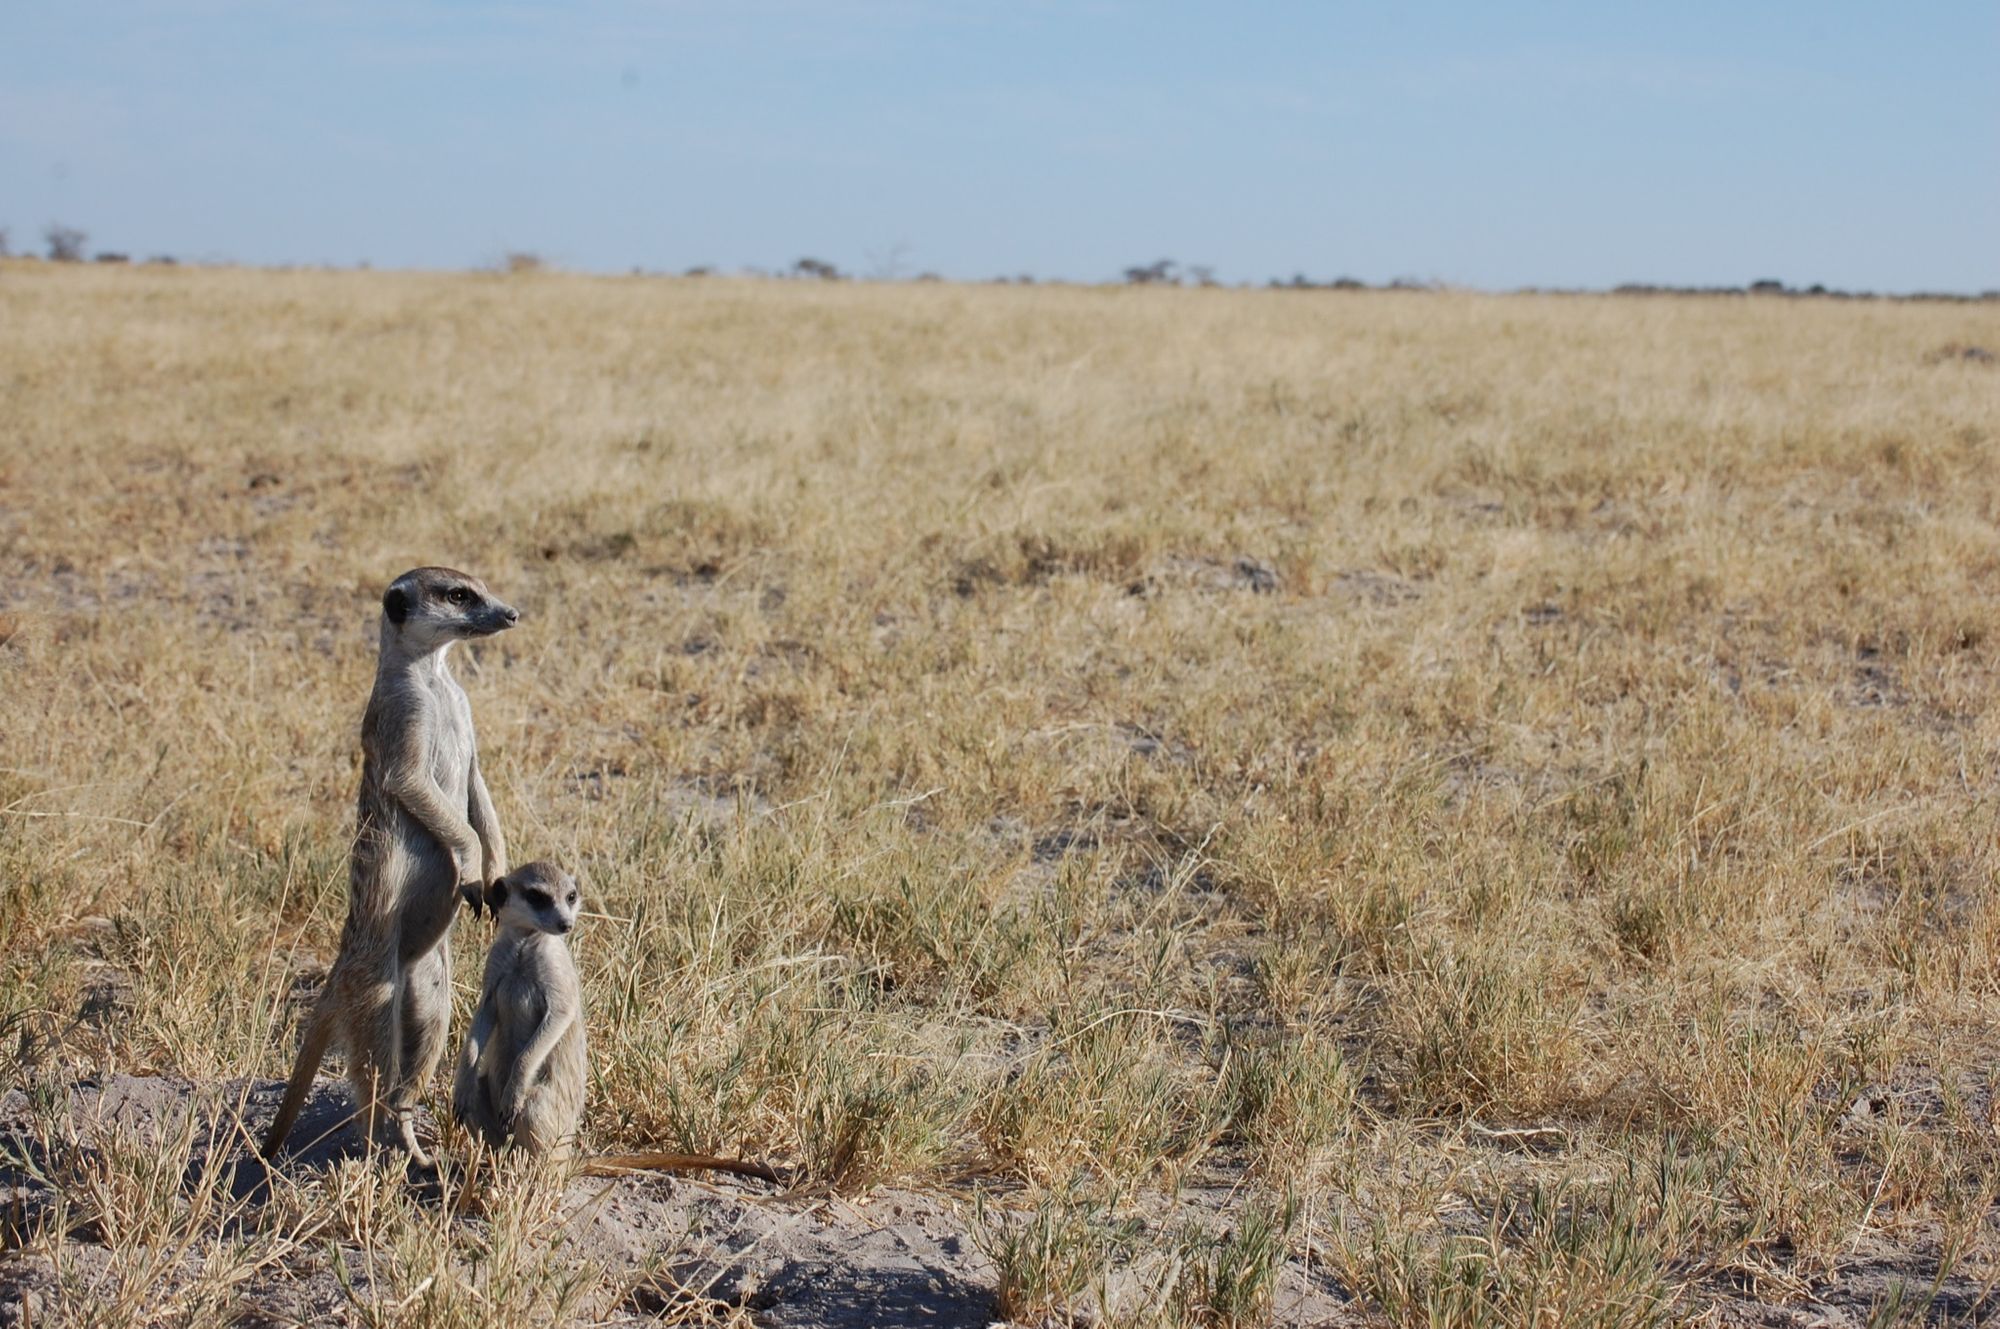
{"points": [[396, 604], [496, 894]]}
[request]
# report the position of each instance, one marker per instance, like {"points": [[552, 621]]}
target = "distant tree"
{"points": [[1202, 274], [65, 242], [698, 270], [817, 269], [111, 256], [1767, 286], [521, 261], [1158, 273], [1301, 282], [892, 264], [928, 277], [4, 238]]}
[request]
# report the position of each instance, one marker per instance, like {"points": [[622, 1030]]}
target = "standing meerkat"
{"points": [[522, 1073], [424, 829]]}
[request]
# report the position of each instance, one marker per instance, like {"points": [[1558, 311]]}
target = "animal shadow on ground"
{"points": [[842, 1296], [325, 1134], [219, 1127], [821, 1293]]}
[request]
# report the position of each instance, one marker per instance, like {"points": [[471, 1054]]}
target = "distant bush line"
{"points": [[65, 244]]}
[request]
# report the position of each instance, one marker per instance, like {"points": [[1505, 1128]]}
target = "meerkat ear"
{"points": [[496, 894], [396, 604]]}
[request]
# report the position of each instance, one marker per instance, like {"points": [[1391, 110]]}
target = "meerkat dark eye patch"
{"points": [[538, 900], [458, 595], [396, 604]]}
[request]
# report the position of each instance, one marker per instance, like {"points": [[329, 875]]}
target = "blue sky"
{"points": [[1492, 145]]}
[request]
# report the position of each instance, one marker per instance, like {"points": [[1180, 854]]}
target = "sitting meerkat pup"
{"points": [[521, 1076]]}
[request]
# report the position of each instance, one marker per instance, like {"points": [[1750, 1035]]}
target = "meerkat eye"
{"points": [[458, 595], [572, 897]]}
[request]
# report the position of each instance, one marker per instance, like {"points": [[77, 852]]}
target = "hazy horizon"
{"points": [[1551, 146]]}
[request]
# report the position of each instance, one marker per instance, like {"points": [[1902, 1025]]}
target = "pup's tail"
{"points": [[612, 1165]]}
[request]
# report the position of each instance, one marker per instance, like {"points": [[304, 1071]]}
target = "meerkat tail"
{"points": [[312, 1050], [612, 1165]]}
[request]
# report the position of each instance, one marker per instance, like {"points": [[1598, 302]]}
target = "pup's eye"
{"points": [[458, 595], [572, 897]]}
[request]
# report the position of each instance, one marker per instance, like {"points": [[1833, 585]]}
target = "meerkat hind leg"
{"points": [[547, 1125], [425, 1019], [472, 1094], [375, 1058]]}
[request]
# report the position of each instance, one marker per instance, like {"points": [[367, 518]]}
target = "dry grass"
{"points": [[1415, 753]]}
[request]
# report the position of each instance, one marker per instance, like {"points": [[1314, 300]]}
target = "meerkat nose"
{"points": [[513, 616]]}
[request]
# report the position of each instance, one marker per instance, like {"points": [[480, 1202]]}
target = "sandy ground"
{"points": [[892, 1258], [675, 1247]]}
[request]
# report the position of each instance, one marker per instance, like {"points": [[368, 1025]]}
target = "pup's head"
{"points": [[535, 895], [431, 607]]}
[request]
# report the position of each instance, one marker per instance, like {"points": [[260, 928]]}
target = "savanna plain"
{"points": [[1187, 807]]}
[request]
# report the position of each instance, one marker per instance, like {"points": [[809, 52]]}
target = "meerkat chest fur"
{"points": [[453, 742], [421, 701], [528, 967]]}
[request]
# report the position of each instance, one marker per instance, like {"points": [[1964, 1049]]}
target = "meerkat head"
{"points": [[427, 608], [538, 896]]}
